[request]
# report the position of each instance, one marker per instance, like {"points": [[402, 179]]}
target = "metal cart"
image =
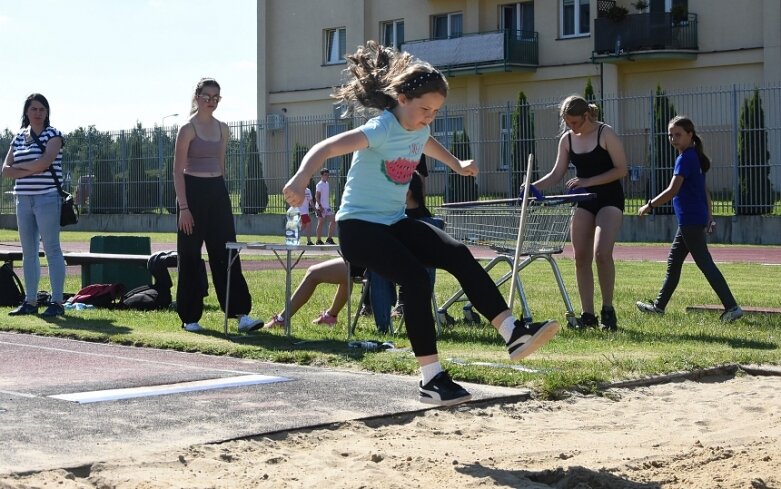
{"points": [[495, 223]]}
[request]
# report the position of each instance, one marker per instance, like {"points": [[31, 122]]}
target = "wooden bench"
{"points": [[86, 258], [11, 256]]}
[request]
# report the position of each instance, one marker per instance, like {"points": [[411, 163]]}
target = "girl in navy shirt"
{"points": [[691, 203]]}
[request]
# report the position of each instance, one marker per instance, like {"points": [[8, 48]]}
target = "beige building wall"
{"points": [[739, 43]]}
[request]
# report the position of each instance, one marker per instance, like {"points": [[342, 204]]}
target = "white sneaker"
{"points": [[247, 324], [192, 327], [732, 314]]}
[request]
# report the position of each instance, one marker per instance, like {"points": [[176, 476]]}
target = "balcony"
{"points": [[479, 53], [645, 36]]}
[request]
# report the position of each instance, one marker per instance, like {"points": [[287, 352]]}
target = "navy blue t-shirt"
{"points": [[690, 204]]}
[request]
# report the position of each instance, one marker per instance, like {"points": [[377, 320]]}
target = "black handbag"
{"points": [[69, 214]]}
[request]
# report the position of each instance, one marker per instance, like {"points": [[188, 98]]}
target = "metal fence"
{"points": [[121, 172]]}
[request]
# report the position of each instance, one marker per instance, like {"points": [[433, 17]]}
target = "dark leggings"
{"points": [[691, 239], [210, 207], [401, 253]]}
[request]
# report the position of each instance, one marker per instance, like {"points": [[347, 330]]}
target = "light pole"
{"points": [[162, 123]]}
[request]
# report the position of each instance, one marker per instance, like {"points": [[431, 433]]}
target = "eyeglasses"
{"points": [[207, 98]]}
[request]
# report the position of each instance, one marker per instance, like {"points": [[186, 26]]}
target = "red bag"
{"points": [[99, 295]]}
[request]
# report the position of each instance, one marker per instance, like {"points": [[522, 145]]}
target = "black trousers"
{"points": [[210, 207], [401, 253], [691, 239]]}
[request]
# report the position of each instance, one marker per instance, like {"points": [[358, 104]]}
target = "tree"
{"points": [[461, 188], [522, 141], [254, 199], [141, 187], [588, 94], [755, 191], [663, 161]]}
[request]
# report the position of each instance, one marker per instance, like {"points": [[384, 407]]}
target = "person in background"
{"points": [[306, 220], [332, 271], [323, 208], [692, 205], [34, 161], [373, 230], [600, 163], [204, 213]]}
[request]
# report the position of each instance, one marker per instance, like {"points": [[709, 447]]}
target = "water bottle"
{"points": [[292, 226]]}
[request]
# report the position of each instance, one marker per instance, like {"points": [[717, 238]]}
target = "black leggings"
{"points": [[210, 207], [691, 239], [401, 253]]}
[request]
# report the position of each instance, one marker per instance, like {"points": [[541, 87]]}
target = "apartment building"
{"points": [[490, 48]]}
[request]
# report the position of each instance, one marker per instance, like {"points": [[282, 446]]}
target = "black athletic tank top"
{"points": [[593, 163]]}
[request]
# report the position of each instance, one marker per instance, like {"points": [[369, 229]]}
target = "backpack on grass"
{"points": [[11, 289], [147, 298], [99, 295]]}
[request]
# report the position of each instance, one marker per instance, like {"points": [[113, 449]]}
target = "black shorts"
{"points": [[609, 195]]}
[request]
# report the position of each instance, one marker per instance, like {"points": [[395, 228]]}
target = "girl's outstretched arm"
{"points": [[435, 149]]}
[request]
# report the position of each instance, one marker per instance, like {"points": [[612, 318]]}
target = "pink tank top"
{"points": [[203, 156]]}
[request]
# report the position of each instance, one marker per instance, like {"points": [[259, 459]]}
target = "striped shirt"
{"points": [[25, 150]]}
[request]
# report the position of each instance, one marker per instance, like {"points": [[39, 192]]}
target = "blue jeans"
{"points": [[38, 219]]}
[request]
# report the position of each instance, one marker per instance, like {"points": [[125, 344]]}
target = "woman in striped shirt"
{"points": [[35, 153]]}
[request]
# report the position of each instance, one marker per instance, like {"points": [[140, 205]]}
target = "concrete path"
{"points": [[39, 432]]}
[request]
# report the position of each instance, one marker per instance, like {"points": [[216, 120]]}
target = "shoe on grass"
{"points": [[732, 314], [442, 391], [325, 318], [192, 327], [649, 307], [586, 320], [330, 241], [276, 321], [24, 309], [319, 242], [528, 337], [53, 310], [247, 324], [609, 320]]}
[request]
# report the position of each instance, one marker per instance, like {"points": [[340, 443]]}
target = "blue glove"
{"points": [[535, 193]]}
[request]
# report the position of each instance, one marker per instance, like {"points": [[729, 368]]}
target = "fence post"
{"points": [[652, 148], [90, 171], [160, 170], [736, 155], [242, 160]]}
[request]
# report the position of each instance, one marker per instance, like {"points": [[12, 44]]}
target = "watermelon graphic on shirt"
{"points": [[400, 170]]}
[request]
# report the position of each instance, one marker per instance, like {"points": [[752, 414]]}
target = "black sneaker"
{"points": [[609, 321], [586, 320], [319, 242], [442, 391], [649, 307], [53, 310], [528, 337], [24, 309], [330, 241]]}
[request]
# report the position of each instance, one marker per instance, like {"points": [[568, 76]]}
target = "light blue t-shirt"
{"points": [[379, 176]]}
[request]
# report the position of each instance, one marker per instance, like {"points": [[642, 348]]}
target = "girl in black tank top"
{"points": [[596, 223], [596, 162]]}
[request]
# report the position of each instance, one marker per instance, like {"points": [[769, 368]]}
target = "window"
{"points": [[448, 25], [519, 19], [443, 129], [335, 42], [393, 33], [575, 18]]}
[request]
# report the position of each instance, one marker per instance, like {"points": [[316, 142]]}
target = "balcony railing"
{"points": [[486, 51], [646, 33]]}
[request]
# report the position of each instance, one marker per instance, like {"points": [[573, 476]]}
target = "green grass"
{"points": [[645, 346]]}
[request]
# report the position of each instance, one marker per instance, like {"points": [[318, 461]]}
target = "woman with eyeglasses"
{"points": [[204, 213]]}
